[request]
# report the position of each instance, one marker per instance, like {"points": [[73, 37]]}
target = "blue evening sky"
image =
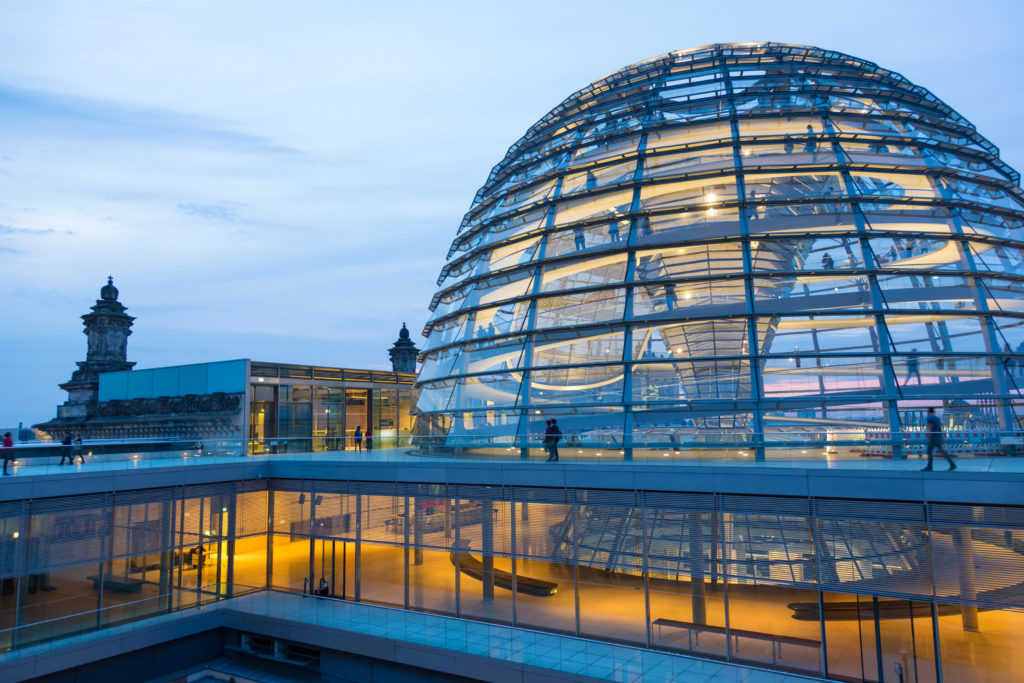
{"points": [[281, 180]]}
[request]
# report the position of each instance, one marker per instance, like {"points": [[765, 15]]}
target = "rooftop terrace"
{"points": [[991, 479]]}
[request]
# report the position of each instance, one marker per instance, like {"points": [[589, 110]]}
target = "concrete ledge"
{"points": [[845, 480]]}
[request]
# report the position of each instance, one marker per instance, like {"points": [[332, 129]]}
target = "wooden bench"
{"points": [[777, 641], [852, 611], [121, 584], [472, 567]]}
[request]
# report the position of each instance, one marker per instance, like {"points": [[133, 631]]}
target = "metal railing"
{"points": [[799, 448]]}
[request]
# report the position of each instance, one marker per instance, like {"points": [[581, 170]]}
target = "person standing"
{"points": [[913, 370], [548, 439], [933, 425], [200, 563], [579, 240], [368, 437], [65, 450], [811, 146], [556, 436], [7, 450], [358, 437]]}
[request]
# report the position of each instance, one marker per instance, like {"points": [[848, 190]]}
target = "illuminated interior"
{"points": [[775, 244], [823, 587]]}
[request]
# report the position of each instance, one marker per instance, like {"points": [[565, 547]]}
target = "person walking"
{"points": [[358, 437], [76, 450], [368, 437], [556, 436], [65, 452], [811, 146], [913, 370], [548, 439], [7, 450], [933, 426]]}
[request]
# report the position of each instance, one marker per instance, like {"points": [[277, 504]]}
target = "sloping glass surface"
{"points": [[774, 239]]}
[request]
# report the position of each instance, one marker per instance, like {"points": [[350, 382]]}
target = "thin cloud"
{"points": [[59, 114], [8, 230], [217, 212]]}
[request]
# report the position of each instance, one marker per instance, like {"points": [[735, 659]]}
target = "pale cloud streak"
{"points": [[283, 181]]}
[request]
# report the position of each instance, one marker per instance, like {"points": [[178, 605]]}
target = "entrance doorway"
{"points": [[334, 562], [356, 414]]}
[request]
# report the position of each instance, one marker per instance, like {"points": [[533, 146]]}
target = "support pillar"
{"points": [[968, 588], [487, 552], [417, 530], [697, 569], [166, 552]]}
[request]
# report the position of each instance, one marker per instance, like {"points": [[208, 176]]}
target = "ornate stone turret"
{"points": [[403, 353], [107, 328]]}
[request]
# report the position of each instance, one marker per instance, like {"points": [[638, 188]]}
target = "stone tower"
{"points": [[107, 328], [403, 353]]}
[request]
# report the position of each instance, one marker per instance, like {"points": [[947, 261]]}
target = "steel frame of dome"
{"points": [[757, 244]]}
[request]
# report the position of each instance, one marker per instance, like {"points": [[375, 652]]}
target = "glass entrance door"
{"points": [[356, 415], [262, 417]]}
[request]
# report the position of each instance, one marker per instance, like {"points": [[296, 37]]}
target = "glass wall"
{"points": [[757, 580], [302, 408], [85, 562], [887, 592]]}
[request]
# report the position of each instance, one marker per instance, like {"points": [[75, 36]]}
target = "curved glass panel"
{"points": [[739, 244]]}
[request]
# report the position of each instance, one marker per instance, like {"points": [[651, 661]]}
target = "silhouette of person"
{"points": [[913, 370], [66, 453], [76, 450], [670, 297], [933, 427], [555, 435], [811, 146], [7, 450], [579, 240]]}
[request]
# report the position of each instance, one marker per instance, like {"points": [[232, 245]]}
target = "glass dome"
{"points": [[756, 244]]}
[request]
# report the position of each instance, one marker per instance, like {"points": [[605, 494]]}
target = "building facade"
{"points": [[755, 245], [312, 408], [873, 584], [107, 327], [249, 406], [242, 405]]}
